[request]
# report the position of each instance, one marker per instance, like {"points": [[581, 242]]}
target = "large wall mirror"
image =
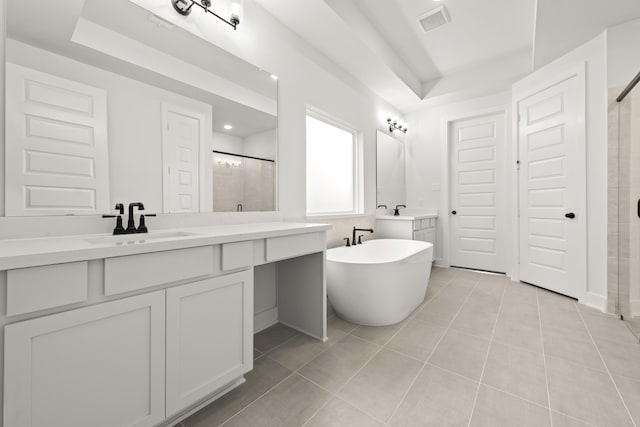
{"points": [[390, 170], [107, 103]]}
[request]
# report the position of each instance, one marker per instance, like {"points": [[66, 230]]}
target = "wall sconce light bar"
{"points": [[394, 124], [183, 7]]}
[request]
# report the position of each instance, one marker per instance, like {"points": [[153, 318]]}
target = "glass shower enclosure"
{"points": [[624, 202]]}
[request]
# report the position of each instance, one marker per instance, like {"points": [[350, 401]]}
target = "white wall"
{"points": [[228, 143], [623, 53], [593, 53], [261, 144], [134, 122], [427, 148]]}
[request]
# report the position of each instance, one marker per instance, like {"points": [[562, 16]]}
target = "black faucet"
{"points": [[119, 229], [382, 206], [353, 238], [396, 211], [131, 223]]}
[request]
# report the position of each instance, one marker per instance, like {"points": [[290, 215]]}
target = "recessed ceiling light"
{"points": [[228, 127], [274, 77]]}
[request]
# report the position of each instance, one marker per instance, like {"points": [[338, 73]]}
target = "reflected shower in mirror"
{"points": [[92, 121], [390, 165]]}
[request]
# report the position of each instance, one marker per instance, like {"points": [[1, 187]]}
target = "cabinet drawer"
{"points": [[131, 273], [296, 245], [237, 255], [38, 288]]}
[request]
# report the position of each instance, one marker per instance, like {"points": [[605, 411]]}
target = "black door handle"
{"points": [[638, 208], [453, 212], [570, 215]]}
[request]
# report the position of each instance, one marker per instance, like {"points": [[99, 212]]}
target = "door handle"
{"points": [[455, 212], [638, 208], [570, 215]]}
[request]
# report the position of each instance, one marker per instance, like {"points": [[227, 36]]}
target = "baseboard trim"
{"points": [[265, 319], [596, 301]]}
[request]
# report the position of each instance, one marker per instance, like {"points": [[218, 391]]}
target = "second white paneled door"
{"points": [[478, 205], [553, 188]]}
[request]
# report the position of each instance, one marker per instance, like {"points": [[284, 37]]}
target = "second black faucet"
{"points": [[353, 237]]}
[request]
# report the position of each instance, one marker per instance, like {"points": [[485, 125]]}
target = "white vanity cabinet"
{"points": [[407, 227], [115, 349], [209, 337], [119, 335]]}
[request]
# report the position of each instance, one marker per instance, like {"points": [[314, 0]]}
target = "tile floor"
{"points": [[480, 351], [634, 324]]}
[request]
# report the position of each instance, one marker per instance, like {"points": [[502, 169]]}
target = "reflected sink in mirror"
{"points": [[136, 239]]}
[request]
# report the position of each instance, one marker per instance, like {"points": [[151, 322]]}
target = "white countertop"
{"points": [[20, 253], [408, 214]]}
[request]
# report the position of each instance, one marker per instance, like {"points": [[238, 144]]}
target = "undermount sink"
{"points": [[136, 239]]}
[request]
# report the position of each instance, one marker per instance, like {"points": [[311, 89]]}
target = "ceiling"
{"points": [[486, 46]]}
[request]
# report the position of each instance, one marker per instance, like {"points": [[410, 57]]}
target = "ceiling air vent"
{"points": [[434, 18]]}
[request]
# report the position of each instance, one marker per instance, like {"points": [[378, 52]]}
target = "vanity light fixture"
{"points": [[395, 124], [183, 7]]}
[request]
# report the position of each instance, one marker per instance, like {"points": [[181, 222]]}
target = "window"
{"points": [[333, 181]]}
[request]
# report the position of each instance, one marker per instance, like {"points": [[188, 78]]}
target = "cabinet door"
{"points": [[96, 366], [209, 337]]}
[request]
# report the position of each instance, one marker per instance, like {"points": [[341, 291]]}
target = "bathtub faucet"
{"points": [[353, 238]]}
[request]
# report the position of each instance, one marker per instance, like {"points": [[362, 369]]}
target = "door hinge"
{"points": [[518, 164]]}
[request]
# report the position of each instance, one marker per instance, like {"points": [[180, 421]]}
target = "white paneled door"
{"points": [[478, 205], [56, 145], [552, 188], [181, 139]]}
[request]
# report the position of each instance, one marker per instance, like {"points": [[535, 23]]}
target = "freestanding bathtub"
{"points": [[379, 282]]}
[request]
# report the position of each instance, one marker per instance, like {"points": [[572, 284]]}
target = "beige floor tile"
{"points": [[492, 285], [630, 390], [561, 420], [520, 294], [291, 403], [265, 374], [585, 394], [377, 334], [567, 322], [517, 371], [522, 313], [417, 339], [551, 299], [302, 349], [380, 386], [437, 398], [272, 337], [336, 323], [621, 359], [609, 328], [256, 354], [564, 346], [444, 307], [476, 318], [433, 289], [634, 325], [461, 353], [333, 368], [512, 331], [495, 408], [338, 413]]}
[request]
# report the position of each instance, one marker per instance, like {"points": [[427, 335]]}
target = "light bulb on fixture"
{"points": [[183, 7], [228, 127], [274, 77]]}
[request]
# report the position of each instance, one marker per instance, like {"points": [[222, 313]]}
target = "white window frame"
{"points": [[358, 173]]}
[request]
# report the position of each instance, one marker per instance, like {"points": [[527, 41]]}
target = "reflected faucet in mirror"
{"points": [[396, 211]]}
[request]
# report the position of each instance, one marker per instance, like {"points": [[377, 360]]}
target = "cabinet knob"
{"points": [[454, 212], [570, 215]]}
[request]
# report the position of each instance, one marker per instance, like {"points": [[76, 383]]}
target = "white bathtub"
{"points": [[379, 282]]}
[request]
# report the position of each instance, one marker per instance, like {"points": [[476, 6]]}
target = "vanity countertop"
{"points": [[21, 253], [409, 214]]}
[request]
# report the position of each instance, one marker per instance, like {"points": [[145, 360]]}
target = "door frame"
{"points": [[204, 167], [503, 109], [579, 72]]}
